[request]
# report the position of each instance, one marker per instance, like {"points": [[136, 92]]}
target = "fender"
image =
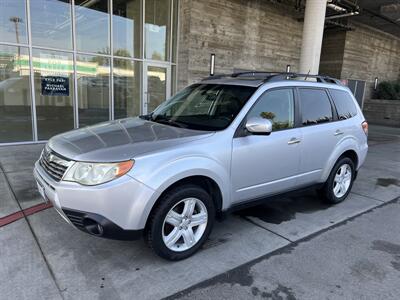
{"points": [[181, 168], [347, 143]]}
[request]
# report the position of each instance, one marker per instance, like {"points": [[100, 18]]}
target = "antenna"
{"points": [[308, 73]]}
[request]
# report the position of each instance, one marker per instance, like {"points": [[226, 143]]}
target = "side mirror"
{"points": [[258, 125]]}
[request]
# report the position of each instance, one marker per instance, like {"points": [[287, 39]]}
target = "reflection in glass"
{"points": [[51, 23], [53, 92], [156, 86], [93, 73], [13, 21], [157, 29], [126, 28], [126, 88], [92, 24], [315, 106], [277, 106], [15, 97]]}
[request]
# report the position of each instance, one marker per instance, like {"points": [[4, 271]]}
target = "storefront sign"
{"points": [[55, 86]]}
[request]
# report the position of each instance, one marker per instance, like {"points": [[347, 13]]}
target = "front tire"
{"points": [[340, 181], [181, 223]]}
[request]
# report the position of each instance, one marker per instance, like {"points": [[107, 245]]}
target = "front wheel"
{"points": [[339, 182], [180, 225]]}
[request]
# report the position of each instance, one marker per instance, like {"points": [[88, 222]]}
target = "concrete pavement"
{"points": [[360, 259], [42, 256]]}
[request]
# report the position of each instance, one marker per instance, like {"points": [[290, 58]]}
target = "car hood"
{"points": [[120, 140]]}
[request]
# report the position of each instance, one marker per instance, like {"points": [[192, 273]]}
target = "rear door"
{"points": [[319, 133], [261, 164]]}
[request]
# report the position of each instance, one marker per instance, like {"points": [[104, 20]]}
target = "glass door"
{"points": [[156, 85]]}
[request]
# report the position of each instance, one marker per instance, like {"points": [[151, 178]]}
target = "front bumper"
{"points": [[120, 206], [98, 225]]}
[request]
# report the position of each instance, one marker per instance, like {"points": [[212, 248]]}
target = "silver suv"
{"points": [[223, 143]]}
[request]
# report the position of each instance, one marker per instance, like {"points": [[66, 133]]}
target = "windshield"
{"points": [[207, 107]]}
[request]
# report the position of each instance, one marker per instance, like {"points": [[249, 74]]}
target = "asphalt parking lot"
{"points": [[280, 250]]}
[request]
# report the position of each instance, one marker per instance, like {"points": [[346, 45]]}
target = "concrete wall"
{"points": [[243, 34], [332, 53], [370, 53], [261, 35], [382, 112]]}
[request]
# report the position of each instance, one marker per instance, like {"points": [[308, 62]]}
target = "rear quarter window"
{"points": [[344, 104]]}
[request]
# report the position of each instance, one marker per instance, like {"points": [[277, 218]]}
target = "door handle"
{"points": [[293, 141], [338, 132]]}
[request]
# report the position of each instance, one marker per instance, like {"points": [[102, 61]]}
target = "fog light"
{"points": [[93, 227]]}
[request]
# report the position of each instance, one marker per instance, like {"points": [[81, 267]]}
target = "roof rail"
{"points": [[268, 76], [287, 76]]}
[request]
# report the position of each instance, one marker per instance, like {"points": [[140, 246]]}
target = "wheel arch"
{"points": [[205, 182], [350, 154], [348, 151]]}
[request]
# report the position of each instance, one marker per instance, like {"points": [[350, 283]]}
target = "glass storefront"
{"points": [[66, 64]]}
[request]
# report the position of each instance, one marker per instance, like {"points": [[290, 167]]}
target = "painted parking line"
{"points": [[22, 213]]}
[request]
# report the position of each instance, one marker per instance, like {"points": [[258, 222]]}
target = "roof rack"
{"points": [[277, 76]]}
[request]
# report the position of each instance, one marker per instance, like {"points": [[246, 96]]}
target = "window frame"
{"points": [[333, 108], [240, 130]]}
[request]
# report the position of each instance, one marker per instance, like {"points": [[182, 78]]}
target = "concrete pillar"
{"points": [[313, 30]]}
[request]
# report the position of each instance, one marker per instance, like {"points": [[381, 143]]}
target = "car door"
{"points": [[318, 133], [267, 164]]}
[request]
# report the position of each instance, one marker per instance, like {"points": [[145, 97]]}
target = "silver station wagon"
{"points": [[216, 146]]}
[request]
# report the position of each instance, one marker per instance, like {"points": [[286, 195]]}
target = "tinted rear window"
{"points": [[315, 106], [344, 104]]}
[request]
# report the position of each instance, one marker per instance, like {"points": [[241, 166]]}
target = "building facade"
{"points": [[267, 35], [67, 64]]}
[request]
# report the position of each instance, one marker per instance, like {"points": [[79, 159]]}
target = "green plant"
{"points": [[389, 90]]}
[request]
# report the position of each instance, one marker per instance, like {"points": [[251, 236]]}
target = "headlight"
{"points": [[97, 173]]}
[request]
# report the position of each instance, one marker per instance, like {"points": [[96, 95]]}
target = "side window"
{"points": [[277, 106], [315, 106], [344, 104]]}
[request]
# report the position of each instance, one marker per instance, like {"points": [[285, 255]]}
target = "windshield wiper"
{"points": [[146, 117], [170, 122]]}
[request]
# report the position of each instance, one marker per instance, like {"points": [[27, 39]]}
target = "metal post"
{"points": [[171, 24], [111, 79], [376, 83], [143, 66], [212, 64], [177, 14], [32, 74], [287, 71], [75, 99]]}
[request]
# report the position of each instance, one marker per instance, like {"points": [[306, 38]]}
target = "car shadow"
{"points": [[279, 210]]}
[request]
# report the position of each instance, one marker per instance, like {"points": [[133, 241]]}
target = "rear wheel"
{"points": [[339, 182], [181, 223]]}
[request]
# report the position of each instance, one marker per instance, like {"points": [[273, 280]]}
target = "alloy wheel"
{"points": [[342, 180], [184, 224]]}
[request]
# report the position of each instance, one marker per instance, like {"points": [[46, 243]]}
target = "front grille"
{"points": [[54, 165], [75, 217]]}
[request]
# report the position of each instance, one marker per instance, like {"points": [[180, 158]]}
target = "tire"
{"points": [[183, 238], [332, 191]]}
